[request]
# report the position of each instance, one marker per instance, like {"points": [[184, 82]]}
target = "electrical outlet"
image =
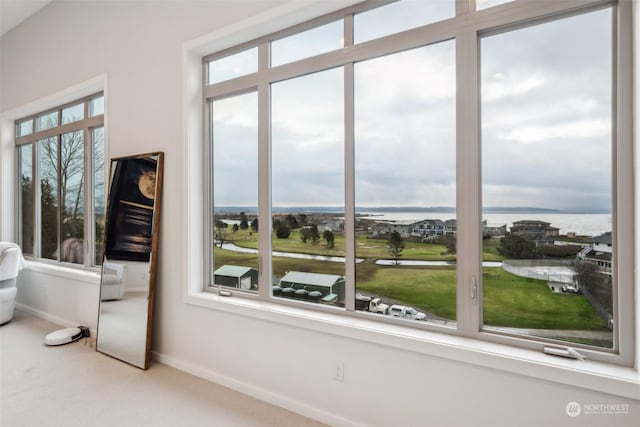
{"points": [[338, 373]]}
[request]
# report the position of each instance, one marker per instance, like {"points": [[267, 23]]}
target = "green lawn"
{"points": [[432, 290], [509, 300], [365, 248], [515, 301]]}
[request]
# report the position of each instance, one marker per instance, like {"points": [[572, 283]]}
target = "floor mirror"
{"points": [[127, 284]]}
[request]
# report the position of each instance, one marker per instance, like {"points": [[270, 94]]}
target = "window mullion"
{"points": [[465, 6], [468, 200], [209, 241], [37, 197], [264, 176], [349, 173], [60, 199], [623, 219], [89, 208]]}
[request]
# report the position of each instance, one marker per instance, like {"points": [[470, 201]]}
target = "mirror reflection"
{"points": [[128, 269]]}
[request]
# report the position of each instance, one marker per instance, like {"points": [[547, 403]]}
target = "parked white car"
{"points": [[406, 312], [570, 288]]}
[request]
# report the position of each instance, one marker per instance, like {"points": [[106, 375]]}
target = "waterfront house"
{"points": [[599, 251], [532, 228], [383, 229], [428, 228]]}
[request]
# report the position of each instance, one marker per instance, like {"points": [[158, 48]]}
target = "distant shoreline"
{"points": [[362, 210]]}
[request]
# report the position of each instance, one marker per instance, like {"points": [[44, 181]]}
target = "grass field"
{"points": [[509, 300], [365, 248], [520, 302]]}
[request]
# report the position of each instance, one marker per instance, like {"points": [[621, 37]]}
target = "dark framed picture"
{"points": [[130, 209]]}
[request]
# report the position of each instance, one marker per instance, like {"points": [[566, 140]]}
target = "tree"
{"points": [[235, 228], [221, 232], [449, 241], [329, 237], [396, 245], [244, 224], [292, 222], [49, 219], [305, 234], [315, 234], [69, 162], [595, 282], [254, 225], [62, 188], [302, 219], [517, 247], [26, 200], [282, 231]]}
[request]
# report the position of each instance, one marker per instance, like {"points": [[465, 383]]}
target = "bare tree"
{"points": [[396, 245]]}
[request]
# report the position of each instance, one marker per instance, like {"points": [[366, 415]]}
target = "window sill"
{"points": [[69, 273], [615, 380]]}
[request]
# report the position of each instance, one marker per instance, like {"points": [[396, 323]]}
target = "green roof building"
{"points": [[236, 276]]}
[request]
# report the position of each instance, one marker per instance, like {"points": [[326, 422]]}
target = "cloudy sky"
{"points": [[546, 120]]}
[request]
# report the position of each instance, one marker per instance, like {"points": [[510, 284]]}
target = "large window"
{"points": [[433, 174], [547, 153], [235, 191], [405, 180], [61, 182]]}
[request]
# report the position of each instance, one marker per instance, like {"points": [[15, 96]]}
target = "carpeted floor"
{"points": [[73, 385]]}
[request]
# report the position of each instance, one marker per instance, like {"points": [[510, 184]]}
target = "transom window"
{"points": [[61, 196], [457, 170]]}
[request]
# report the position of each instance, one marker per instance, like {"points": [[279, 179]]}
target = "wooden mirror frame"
{"points": [[129, 196]]}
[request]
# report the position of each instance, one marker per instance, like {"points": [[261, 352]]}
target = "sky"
{"points": [[545, 120]]}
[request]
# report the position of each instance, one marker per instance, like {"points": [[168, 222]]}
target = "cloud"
{"points": [[546, 112], [578, 129]]}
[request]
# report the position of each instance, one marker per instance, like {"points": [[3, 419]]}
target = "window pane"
{"points": [[485, 4], [405, 184], [48, 162], [26, 198], [96, 106], [24, 128], [399, 16], [308, 187], [307, 43], [547, 161], [99, 196], [235, 191], [72, 184], [229, 67], [47, 121], [73, 114]]}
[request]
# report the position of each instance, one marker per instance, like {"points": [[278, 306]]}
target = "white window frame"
{"points": [[468, 343], [86, 126]]}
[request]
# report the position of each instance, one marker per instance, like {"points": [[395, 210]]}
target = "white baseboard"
{"points": [[257, 392], [51, 318]]}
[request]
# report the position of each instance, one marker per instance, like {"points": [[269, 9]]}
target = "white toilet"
{"points": [[11, 262]]}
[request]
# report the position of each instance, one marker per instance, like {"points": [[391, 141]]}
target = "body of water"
{"points": [[581, 224]]}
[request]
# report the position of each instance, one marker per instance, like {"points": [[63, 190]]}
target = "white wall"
{"points": [[138, 47]]}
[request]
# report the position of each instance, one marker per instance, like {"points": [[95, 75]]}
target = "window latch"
{"points": [[474, 288], [568, 352], [223, 292]]}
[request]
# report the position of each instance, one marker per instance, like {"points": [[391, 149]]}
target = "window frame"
{"points": [[466, 28], [87, 125]]}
